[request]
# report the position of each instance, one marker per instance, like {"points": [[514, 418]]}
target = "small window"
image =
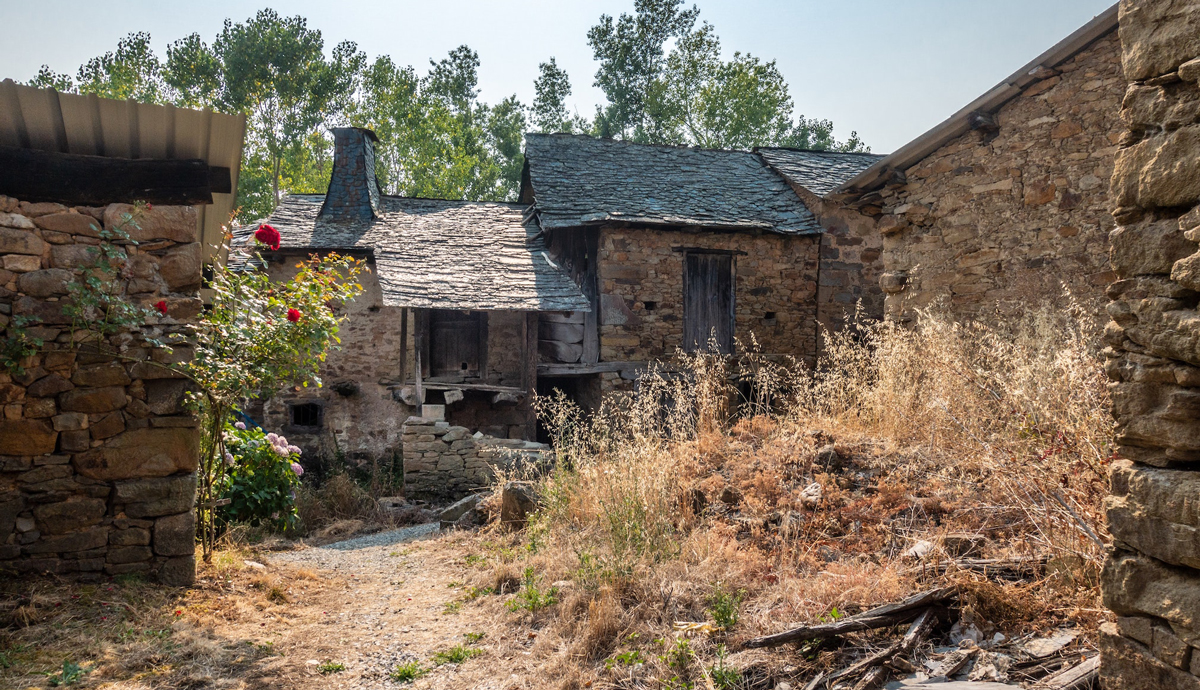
{"points": [[769, 316], [650, 306], [305, 414]]}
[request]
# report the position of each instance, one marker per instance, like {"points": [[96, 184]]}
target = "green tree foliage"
{"points": [[436, 138], [549, 112], [691, 95], [275, 70], [132, 71]]}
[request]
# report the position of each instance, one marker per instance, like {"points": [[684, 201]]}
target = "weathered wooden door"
{"points": [[454, 348], [708, 302]]}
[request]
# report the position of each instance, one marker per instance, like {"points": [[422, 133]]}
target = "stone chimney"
{"points": [[353, 190]]}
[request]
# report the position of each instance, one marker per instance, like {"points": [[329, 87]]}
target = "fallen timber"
{"points": [[882, 617]]}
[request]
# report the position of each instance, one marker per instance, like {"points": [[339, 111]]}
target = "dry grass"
{"points": [[665, 496]]}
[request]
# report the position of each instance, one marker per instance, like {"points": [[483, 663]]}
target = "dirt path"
{"points": [[377, 602]]}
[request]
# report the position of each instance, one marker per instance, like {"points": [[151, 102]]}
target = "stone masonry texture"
{"points": [[1151, 579], [444, 462], [97, 454], [1001, 220]]}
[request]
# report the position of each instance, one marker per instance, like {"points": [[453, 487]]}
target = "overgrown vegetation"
{"points": [[797, 497]]}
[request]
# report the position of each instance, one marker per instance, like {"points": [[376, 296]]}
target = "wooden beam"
{"points": [[529, 373], [69, 178]]}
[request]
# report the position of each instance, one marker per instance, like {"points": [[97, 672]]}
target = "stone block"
{"points": [[178, 572], [1157, 36], [1135, 585], [13, 241], [1155, 511], [108, 426], [1167, 647], [144, 498], [180, 267], [129, 554], [11, 505], [70, 223], [48, 282], [1129, 665], [134, 536], [166, 396], [27, 437], [1148, 248], [142, 453], [71, 256], [176, 223], [70, 421], [72, 514], [48, 386], [93, 400], [1160, 171], [101, 375], [175, 535], [93, 538], [1137, 628], [127, 568]]}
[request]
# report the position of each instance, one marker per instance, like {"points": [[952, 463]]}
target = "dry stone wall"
{"points": [[1152, 577], [444, 462], [1000, 219], [97, 453], [641, 291]]}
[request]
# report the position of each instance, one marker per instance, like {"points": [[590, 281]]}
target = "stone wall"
{"points": [[97, 455], [1152, 577], [363, 408], [851, 264], [998, 219], [444, 462], [775, 291]]}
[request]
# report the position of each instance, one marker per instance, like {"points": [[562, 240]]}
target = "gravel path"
{"points": [[391, 610]]}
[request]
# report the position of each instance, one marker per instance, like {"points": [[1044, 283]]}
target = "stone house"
{"points": [[97, 453], [1006, 201], [616, 255]]}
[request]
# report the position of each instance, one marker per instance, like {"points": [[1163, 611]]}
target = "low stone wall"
{"points": [[97, 455], [1152, 577], [444, 462]]}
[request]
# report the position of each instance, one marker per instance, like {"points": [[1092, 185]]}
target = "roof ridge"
{"points": [[626, 142]]}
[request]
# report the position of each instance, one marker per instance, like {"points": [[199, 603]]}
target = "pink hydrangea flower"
{"points": [[240, 426], [273, 438], [294, 450], [229, 458], [297, 469]]}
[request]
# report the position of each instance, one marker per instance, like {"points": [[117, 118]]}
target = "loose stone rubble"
{"points": [[97, 453], [444, 462]]}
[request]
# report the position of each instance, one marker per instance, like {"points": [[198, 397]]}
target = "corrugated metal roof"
{"points": [[46, 120], [435, 253]]}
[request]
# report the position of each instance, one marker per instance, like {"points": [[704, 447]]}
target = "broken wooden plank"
{"points": [[1003, 568], [1077, 677], [881, 617], [918, 631]]}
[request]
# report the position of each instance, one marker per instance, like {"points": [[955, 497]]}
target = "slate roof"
{"points": [[820, 172], [432, 253], [578, 180]]}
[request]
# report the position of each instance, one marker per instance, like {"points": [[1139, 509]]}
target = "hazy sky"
{"points": [[889, 69]]}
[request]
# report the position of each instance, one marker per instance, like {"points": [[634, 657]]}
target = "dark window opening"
{"points": [[305, 414], [650, 306], [769, 316]]}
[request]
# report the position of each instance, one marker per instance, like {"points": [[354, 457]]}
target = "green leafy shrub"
{"points": [[262, 478], [531, 598], [724, 606], [456, 654], [407, 672], [331, 667]]}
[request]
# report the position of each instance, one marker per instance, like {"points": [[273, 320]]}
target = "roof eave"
{"points": [[957, 124]]}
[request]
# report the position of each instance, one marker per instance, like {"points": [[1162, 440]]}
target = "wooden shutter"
{"points": [[454, 348], [708, 301]]}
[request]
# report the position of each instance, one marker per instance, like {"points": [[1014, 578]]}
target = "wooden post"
{"points": [[529, 373], [403, 343]]}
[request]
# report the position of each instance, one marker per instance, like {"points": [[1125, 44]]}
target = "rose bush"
{"points": [[261, 478]]}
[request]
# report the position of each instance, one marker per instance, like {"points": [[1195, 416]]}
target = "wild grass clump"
{"points": [[798, 489]]}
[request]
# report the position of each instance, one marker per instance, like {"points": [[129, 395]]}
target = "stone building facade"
{"points": [[1152, 577], [998, 208], [641, 278], [97, 453]]}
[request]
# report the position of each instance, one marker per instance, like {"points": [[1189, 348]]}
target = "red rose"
{"points": [[161, 306], [268, 236], [293, 315]]}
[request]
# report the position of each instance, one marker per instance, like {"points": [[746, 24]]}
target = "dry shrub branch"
{"points": [[760, 491]]}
